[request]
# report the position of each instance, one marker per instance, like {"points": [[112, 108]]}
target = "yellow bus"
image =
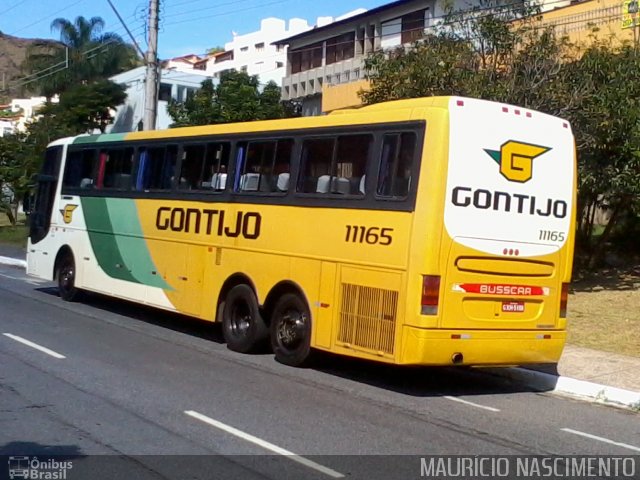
{"points": [[431, 231]]}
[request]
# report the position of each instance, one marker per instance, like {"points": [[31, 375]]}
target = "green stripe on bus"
{"points": [[131, 243], [105, 137], [103, 241]]}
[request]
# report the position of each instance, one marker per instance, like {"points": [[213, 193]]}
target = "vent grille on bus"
{"points": [[368, 318]]}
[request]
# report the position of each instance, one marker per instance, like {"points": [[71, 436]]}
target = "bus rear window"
{"points": [[396, 163]]}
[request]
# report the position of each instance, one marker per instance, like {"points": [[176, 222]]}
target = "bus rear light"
{"points": [[460, 103], [430, 294], [564, 297]]}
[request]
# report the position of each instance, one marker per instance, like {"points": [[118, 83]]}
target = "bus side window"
{"points": [[156, 168], [396, 163], [334, 166], [191, 167], [351, 164], [263, 164], [118, 167], [216, 166], [79, 169], [315, 171]]}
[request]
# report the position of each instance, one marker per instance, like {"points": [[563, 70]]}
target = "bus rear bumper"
{"points": [[480, 347]]}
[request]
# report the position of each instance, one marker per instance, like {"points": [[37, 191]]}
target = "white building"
{"points": [[174, 84], [254, 52], [23, 111]]}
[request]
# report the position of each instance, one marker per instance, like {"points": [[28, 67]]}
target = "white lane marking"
{"points": [[264, 444], [32, 281], [601, 439], [34, 345], [484, 407], [10, 276]]}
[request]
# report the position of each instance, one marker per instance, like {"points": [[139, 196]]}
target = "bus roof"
{"points": [[393, 111]]}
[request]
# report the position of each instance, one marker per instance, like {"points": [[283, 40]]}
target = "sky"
{"points": [[186, 26]]}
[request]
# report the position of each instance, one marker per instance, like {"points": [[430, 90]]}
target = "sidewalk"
{"points": [[588, 373]]}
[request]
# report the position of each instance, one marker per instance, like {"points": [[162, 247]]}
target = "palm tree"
{"points": [[91, 55]]}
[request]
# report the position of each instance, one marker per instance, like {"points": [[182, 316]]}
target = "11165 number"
{"points": [[370, 235]]}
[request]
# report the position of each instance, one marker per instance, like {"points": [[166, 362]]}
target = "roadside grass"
{"points": [[16, 236], [11, 235], [604, 312]]}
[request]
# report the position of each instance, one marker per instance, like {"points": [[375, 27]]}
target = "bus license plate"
{"points": [[517, 307]]}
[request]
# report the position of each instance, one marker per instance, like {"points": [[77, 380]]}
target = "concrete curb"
{"points": [[571, 386], [14, 262]]}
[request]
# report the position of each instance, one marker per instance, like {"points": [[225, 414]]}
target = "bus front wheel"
{"points": [[291, 330], [66, 274], [243, 328]]}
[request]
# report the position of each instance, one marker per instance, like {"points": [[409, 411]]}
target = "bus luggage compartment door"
{"points": [[506, 293]]}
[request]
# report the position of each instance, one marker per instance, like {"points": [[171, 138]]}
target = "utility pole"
{"points": [[151, 83]]}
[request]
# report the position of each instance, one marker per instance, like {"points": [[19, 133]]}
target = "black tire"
{"points": [[291, 331], [243, 327], [66, 275]]}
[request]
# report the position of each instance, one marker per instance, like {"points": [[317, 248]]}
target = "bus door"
{"points": [[40, 218]]}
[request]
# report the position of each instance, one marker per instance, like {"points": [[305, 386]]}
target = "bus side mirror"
{"points": [[27, 203]]}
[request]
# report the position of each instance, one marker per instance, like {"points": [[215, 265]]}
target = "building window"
{"points": [[413, 26], [306, 58], [279, 64], [243, 68], [244, 49], [259, 47], [341, 48], [164, 93]]}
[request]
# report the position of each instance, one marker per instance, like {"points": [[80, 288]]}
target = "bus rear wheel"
{"points": [[291, 331], [243, 327], [66, 275]]}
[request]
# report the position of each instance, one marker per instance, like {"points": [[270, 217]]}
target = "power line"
{"points": [[207, 8], [47, 17], [126, 28], [226, 13], [11, 8]]}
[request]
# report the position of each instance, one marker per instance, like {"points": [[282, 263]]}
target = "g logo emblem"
{"points": [[516, 159], [67, 212]]}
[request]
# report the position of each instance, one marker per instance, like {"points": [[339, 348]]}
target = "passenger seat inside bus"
{"points": [[249, 182], [219, 181], [283, 182], [323, 184]]}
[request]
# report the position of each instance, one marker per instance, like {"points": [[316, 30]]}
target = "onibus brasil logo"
{"points": [[516, 159]]}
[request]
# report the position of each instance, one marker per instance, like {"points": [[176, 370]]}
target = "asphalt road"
{"points": [[156, 395]]}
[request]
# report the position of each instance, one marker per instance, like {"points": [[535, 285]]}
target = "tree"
{"points": [[85, 108], [214, 50], [492, 57], [91, 55], [237, 98], [11, 173], [607, 129]]}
